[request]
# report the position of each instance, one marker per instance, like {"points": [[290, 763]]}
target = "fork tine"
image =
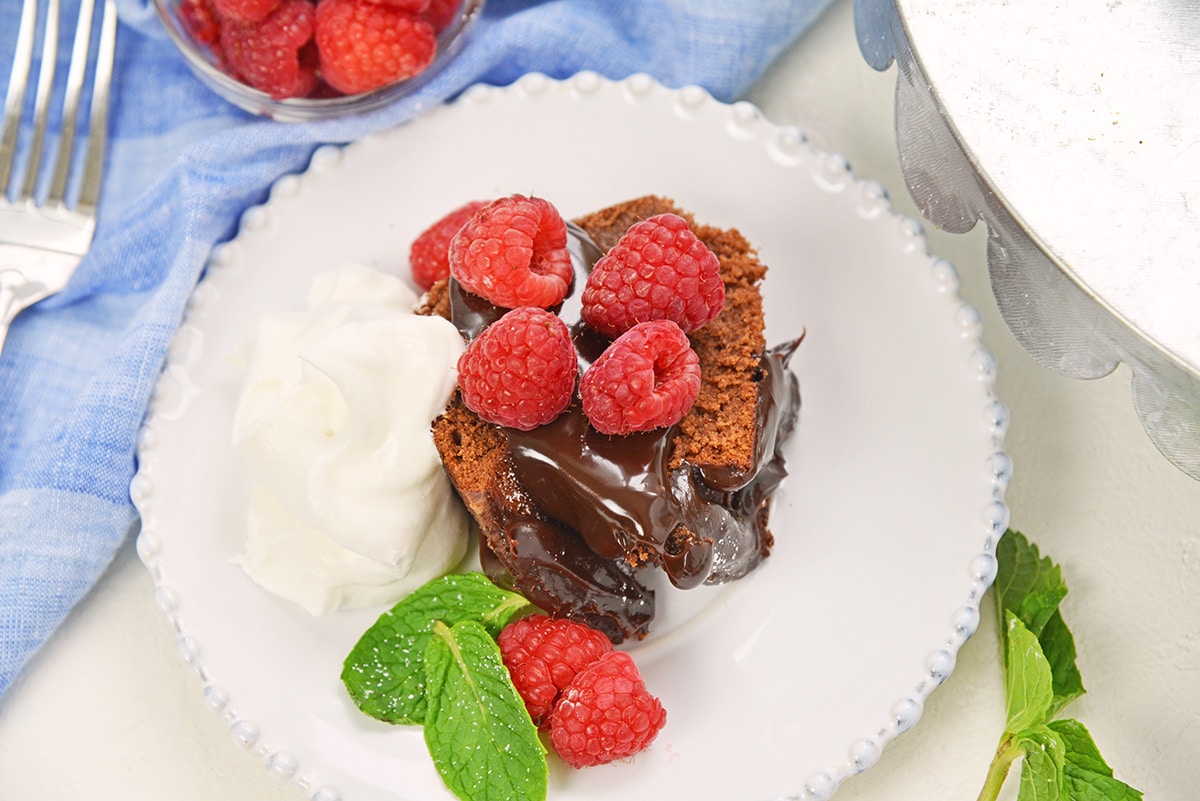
{"points": [[89, 192], [14, 100], [41, 106], [66, 139]]}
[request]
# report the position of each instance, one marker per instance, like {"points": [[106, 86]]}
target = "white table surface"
{"points": [[107, 710]]}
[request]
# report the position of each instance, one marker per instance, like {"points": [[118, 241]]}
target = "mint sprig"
{"points": [[432, 659], [479, 733], [1059, 760], [385, 671]]}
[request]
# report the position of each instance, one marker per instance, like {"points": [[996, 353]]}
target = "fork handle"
{"points": [[17, 293], [8, 306]]}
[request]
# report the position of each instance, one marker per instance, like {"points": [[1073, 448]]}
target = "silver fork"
{"points": [[43, 239]]}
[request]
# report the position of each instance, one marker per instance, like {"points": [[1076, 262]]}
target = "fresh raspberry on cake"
{"points": [[245, 10], [428, 257], [658, 270], [605, 714], [271, 55], [520, 371], [513, 252], [648, 378], [543, 655], [364, 45]]}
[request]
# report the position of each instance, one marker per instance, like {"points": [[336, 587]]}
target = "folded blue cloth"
{"points": [[78, 370]]}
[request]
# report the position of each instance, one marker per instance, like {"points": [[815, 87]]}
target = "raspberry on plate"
{"points": [[605, 714], [364, 44], [543, 655], [520, 371], [648, 378], [271, 55], [658, 270], [428, 257], [513, 252]]}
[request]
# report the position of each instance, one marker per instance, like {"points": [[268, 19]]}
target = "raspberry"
{"points": [[543, 654], [407, 6], [605, 714], [427, 257], [270, 55], [245, 10], [658, 270], [514, 253], [365, 45], [200, 21], [520, 371], [647, 378], [441, 13]]}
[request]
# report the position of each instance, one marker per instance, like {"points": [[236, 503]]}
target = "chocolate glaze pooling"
{"points": [[623, 498], [557, 572]]}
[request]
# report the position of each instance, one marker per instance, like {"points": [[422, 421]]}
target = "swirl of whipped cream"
{"points": [[349, 505]]}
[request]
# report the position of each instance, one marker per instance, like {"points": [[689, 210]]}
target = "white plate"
{"points": [[781, 685]]}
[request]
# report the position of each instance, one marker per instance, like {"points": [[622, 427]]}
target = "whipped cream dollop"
{"points": [[349, 504]]}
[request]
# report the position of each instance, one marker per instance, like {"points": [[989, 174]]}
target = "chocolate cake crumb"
{"points": [[436, 302]]}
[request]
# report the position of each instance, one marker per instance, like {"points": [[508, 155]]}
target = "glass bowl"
{"points": [[206, 65]]}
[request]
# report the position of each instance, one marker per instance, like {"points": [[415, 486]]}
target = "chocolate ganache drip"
{"points": [[621, 496], [605, 503]]}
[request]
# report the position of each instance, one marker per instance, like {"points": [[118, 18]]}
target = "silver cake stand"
{"points": [[1072, 129]]}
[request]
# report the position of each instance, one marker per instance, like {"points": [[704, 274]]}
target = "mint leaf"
{"points": [[479, 733], [1031, 586], [1058, 645], [1042, 767], [1059, 761], [385, 671], [1086, 776], [1027, 584], [1028, 684]]}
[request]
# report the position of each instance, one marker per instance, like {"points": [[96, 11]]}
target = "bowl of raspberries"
{"points": [[295, 60]]}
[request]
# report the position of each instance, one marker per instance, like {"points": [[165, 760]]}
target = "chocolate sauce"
{"points": [[557, 572], [621, 496], [604, 499]]}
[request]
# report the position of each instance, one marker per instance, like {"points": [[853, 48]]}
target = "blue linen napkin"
{"points": [[78, 370]]}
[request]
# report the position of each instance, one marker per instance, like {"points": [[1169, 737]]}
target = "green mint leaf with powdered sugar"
{"points": [[479, 733], [1059, 760], [432, 659], [385, 671]]}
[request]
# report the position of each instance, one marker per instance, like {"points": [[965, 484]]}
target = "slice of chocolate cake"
{"points": [[569, 516]]}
